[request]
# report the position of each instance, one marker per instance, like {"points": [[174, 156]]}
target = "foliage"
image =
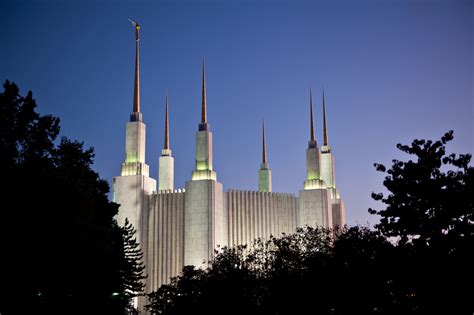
{"points": [[430, 198], [131, 266], [62, 248], [430, 212]]}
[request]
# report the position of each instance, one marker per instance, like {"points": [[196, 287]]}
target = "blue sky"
{"points": [[392, 71]]}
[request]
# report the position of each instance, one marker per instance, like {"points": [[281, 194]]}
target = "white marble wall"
{"points": [[315, 208], [204, 221], [130, 192], [253, 214]]}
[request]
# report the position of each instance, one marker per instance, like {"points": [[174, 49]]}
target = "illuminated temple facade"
{"points": [[178, 227]]}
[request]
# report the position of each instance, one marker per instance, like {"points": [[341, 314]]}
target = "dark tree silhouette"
{"points": [[62, 249], [430, 212], [132, 265], [431, 198]]}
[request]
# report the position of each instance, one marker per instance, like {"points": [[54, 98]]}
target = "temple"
{"points": [[178, 227]]}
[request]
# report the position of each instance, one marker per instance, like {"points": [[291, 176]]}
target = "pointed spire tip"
{"points": [[167, 139], [324, 121], [264, 145], [311, 115], [204, 105]]}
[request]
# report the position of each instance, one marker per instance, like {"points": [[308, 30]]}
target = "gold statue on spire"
{"points": [[137, 28]]}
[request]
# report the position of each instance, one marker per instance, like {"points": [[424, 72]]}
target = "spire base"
{"points": [[203, 127], [166, 152], [325, 149], [312, 144], [204, 175], [311, 184], [136, 116], [134, 168]]}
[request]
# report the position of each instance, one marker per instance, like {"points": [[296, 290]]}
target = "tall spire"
{"points": [[203, 113], [166, 161], [264, 146], [324, 121], [311, 114], [136, 92], [264, 174], [167, 139]]}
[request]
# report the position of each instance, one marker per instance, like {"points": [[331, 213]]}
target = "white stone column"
{"points": [[264, 178], [166, 171], [327, 167], [203, 168]]}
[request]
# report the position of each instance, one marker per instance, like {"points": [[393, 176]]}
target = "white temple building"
{"points": [[178, 227]]}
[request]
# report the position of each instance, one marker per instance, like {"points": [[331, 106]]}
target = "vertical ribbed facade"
{"points": [[166, 234], [254, 214]]}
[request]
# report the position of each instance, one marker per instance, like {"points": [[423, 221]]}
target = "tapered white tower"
{"points": [[205, 221], [315, 206], [328, 175], [166, 162], [327, 159], [313, 159], [264, 174], [134, 182], [203, 169]]}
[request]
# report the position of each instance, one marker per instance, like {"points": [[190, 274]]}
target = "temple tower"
{"points": [[328, 175], [264, 174], [205, 221], [314, 209], [130, 188], [166, 161]]}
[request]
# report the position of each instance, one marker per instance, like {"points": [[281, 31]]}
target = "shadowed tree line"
{"points": [[62, 250], [417, 260]]}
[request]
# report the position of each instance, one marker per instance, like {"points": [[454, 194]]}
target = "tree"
{"points": [[255, 280], [430, 198], [430, 211], [131, 266], [62, 248]]}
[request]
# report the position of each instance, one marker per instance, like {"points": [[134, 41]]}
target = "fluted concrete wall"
{"points": [[253, 214], [166, 234]]}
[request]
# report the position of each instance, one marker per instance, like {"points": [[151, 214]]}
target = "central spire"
{"points": [[136, 93], [167, 138], [264, 146], [203, 170], [324, 121], [312, 142], [136, 116], [203, 113], [264, 174], [166, 160], [311, 114]]}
